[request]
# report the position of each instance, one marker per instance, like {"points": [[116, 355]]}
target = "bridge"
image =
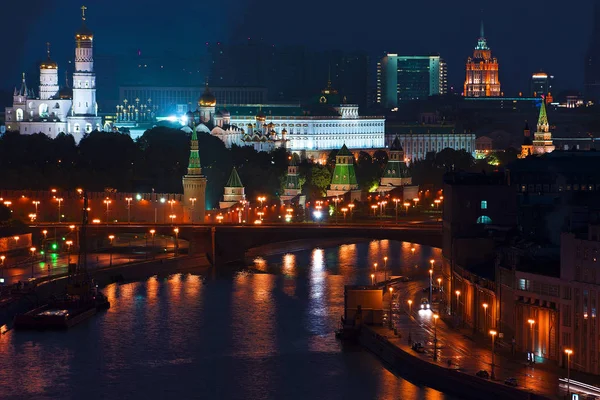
{"points": [[224, 243]]}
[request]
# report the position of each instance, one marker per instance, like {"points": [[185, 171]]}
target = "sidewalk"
{"points": [[469, 354]]}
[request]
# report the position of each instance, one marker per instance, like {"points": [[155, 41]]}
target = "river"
{"points": [[260, 332]]}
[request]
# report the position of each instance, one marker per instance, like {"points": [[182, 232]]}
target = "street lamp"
{"points": [[432, 261], [336, 201], [385, 267], [437, 203], [493, 333], [69, 243], [193, 201], [372, 278], [220, 217], [531, 322], [172, 218], [430, 285], [107, 202], [176, 252], [457, 302], [152, 232], [261, 199], [45, 233], [485, 307], [60, 200], [128, 200], [2, 258], [111, 238], [391, 297], [344, 210], [412, 250], [406, 205], [568, 352], [36, 204], [351, 207], [32, 250], [435, 318], [374, 207], [396, 207], [410, 325]]}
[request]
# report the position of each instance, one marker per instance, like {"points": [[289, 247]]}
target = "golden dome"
{"points": [[260, 116], [207, 99], [48, 64]]}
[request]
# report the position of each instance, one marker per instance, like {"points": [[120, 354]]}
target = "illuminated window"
{"points": [[484, 204]]}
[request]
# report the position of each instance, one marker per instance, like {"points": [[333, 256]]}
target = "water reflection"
{"points": [[237, 335]]}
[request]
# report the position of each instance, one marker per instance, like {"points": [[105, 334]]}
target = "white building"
{"points": [[309, 131], [68, 110], [418, 140]]}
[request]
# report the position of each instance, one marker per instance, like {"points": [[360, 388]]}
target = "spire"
{"points": [[543, 125], [234, 180], [482, 33], [83, 8], [48, 49], [194, 167], [24, 91]]}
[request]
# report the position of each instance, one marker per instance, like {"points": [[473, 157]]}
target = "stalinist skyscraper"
{"points": [[482, 71]]}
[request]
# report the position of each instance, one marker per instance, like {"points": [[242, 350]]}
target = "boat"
{"points": [[81, 300]]}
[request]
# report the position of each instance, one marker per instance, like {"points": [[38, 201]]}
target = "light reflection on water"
{"points": [[265, 335]]}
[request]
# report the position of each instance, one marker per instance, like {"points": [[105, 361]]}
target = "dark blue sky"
{"points": [[525, 35]]}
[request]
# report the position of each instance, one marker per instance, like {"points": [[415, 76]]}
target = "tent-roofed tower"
{"points": [[194, 184], [233, 191], [542, 138], [343, 179], [396, 172]]}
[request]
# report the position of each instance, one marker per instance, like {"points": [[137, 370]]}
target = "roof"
{"points": [[344, 174], [396, 169], [344, 151], [543, 118], [396, 146], [234, 179]]}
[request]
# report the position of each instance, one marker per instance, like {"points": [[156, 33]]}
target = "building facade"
{"points": [[69, 110], [418, 140], [482, 72], [406, 78], [541, 86]]}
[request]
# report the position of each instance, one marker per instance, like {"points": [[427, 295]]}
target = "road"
{"points": [[468, 352]]}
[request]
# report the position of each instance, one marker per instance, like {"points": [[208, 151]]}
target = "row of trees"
{"points": [[158, 159]]}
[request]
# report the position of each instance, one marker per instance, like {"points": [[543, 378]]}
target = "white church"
{"points": [[59, 110]]}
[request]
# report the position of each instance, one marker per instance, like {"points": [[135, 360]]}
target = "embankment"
{"points": [[440, 378]]}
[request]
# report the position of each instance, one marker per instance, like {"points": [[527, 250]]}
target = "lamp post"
{"points": [[176, 252], [391, 297], [32, 250], [152, 232], [69, 243], [374, 208], [111, 238], [36, 204], [336, 201], [406, 205], [430, 286], [375, 268], [385, 267], [193, 201], [172, 218], [457, 303], [60, 200], [493, 333], [531, 322], [45, 233], [261, 199], [568, 352], [351, 207], [372, 279], [435, 318], [128, 200], [412, 250], [107, 202], [344, 210], [410, 325], [396, 201], [2, 258], [485, 308], [432, 261]]}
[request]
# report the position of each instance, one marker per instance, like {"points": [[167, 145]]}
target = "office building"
{"points": [[541, 85], [407, 78]]}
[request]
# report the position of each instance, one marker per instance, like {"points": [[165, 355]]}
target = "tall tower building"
{"points": [[194, 184], [542, 138], [48, 79], [396, 172], [482, 71], [406, 78], [233, 192], [343, 179], [592, 60], [84, 112]]}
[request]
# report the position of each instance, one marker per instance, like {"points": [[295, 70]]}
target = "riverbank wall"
{"points": [[122, 273], [438, 377]]}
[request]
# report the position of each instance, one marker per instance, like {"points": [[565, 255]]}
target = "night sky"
{"points": [[526, 36]]}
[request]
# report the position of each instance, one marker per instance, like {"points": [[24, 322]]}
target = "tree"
{"points": [[5, 214], [320, 178]]}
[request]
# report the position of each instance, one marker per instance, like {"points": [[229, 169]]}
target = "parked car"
{"points": [[483, 374], [511, 382], [425, 304]]}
